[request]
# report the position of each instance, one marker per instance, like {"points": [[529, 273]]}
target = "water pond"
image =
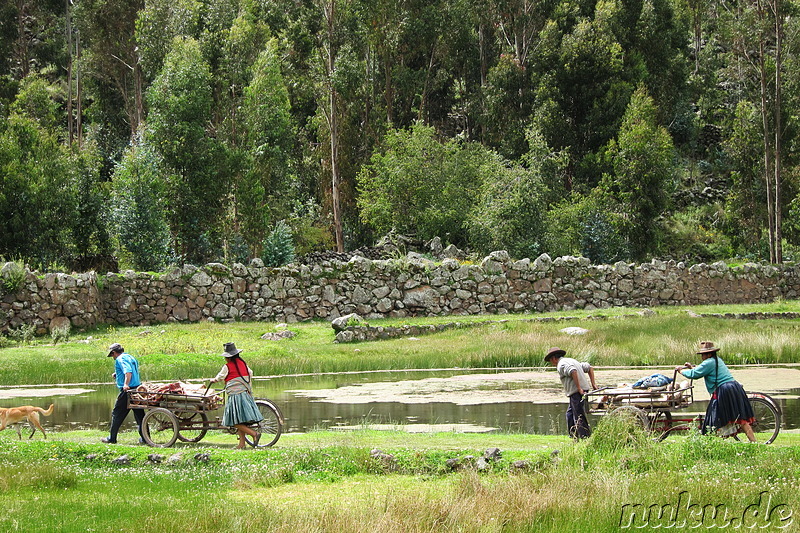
{"points": [[518, 400]]}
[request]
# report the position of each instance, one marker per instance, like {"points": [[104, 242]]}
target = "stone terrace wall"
{"points": [[393, 288]]}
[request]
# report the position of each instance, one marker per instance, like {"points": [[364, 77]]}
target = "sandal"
{"points": [[256, 439]]}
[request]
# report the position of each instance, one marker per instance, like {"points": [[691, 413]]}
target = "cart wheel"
{"points": [[634, 414], [160, 428], [660, 424], [768, 421], [270, 427], [193, 426]]}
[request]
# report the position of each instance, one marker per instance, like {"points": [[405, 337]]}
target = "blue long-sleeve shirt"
{"points": [[713, 370]]}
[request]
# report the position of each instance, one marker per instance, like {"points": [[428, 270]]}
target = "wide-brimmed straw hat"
{"points": [[230, 350], [707, 347], [552, 352]]}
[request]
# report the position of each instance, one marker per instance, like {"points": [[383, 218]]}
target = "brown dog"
{"points": [[14, 415]]}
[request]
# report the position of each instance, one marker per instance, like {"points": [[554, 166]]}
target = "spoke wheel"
{"points": [[634, 414], [270, 427], [193, 426], [767, 424], [660, 424], [160, 428]]}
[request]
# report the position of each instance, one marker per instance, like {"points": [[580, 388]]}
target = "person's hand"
{"points": [[126, 388]]}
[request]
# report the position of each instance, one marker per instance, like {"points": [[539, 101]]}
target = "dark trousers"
{"points": [[120, 413], [577, 425]]}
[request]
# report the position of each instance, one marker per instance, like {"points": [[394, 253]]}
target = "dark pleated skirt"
{"points": [[730, 405]]}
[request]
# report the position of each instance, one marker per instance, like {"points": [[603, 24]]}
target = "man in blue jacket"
{"points": [[126, 374]]}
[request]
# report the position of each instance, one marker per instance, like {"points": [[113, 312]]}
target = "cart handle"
{"points": [[595, 391], [675, 376]]}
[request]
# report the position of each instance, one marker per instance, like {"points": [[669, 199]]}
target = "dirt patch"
{"points": [[421, 428], [528, 386]]}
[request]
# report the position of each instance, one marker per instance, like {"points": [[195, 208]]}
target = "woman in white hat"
{"points": [[729, 403], [240, 408]]}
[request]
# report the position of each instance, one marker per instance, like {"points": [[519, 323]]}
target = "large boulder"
{"points": [[344, 321]]}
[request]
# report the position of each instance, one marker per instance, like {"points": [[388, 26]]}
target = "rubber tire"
{"points": [[639, 416], [192, 435], [767, 424], [160, 428], [270, 427], [660, 424]]}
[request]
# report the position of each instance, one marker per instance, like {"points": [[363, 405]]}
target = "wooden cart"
{"points": [[654, 410], [172, 416]]}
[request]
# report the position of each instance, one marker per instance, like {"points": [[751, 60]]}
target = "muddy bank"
{"points": [[44, 392], [536, 386]]}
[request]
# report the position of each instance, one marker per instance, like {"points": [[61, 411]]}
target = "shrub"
{"points": [[278, 246], [238, 250], [583, 225], [12, 277], [60, 334], [23, 334], [139, 214], [600, 240], [695, 234]]}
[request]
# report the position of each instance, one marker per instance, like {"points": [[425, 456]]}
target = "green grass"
{"points": [[190, 351], [328, 481]]}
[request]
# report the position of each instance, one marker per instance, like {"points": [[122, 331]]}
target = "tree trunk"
{"points": [[778, 131], [78, 92], [139, 97], [768, 154], [484, 71], [70, 125], [333, 122]]}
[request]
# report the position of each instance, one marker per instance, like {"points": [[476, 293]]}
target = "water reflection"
{"points": [[92, 410]]}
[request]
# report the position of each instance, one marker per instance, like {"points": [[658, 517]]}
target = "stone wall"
{"points": [[390, 288]]}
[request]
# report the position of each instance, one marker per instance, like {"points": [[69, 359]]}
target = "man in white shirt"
{"points": [[575, 377]]}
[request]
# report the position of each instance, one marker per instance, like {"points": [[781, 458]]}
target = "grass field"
{"points": [[190, 351], [328, 481]]}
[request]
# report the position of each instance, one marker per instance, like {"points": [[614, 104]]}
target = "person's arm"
{"points": [[576, 381], [700, 371], [591, 377], [127, 384], [221, 375]]}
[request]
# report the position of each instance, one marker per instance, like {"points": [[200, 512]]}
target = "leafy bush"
{"points": [[581, 225], [238, 250], [310, 230], [139, 215], [510, 210], [600, 240], [23, 334], [12, 278], [695, 235], [421, 186], [278, 246], [60, 334]]}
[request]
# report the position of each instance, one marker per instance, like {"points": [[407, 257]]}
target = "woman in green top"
{"points": [[729, 403]]}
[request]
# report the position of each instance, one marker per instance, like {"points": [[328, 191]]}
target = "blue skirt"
{"points": [[240, 409], [728, 405]]}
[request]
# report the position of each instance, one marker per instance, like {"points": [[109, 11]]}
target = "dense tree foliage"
{"points": [[161, 131]]}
